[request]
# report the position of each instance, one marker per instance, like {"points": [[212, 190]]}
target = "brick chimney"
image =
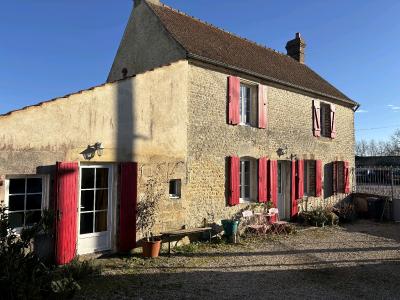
{"points": [[295, 48]]}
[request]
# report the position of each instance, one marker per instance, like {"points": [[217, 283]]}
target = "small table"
{"points": [[182, 233]]}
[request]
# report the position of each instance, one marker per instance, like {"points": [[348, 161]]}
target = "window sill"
{"points": [[174, 197], [246, 201]]}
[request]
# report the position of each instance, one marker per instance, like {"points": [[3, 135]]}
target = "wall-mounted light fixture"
{"points": [[91, 151], [99, 148]]}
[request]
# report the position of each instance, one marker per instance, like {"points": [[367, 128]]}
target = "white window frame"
{"points": [[109, 208], [178, 188], [45, 193], [245, 102], [252, 180]]}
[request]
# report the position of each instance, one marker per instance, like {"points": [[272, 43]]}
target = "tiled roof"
{"points": [[209, 43]]}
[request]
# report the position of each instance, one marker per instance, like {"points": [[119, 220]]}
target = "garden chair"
{"points": [[278, 226], [252, 223]]}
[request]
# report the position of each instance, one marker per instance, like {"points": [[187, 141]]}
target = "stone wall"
{"points": [[211, 140]]}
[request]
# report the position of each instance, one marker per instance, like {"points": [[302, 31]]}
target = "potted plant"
{"points": [[145, 219]]}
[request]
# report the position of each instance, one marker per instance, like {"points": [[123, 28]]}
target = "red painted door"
{"points": [[66, 206]]}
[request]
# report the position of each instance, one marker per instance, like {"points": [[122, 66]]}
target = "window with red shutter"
{"points": [[299, 179], [332, 121], [234, 180], [346, 177], [234, 98], [316, 118], [66, 207], [262, 179], [273, 182], [318, 178], [294, 189], [262, 106]]}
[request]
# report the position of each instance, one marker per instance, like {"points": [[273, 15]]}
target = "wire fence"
{"points": [[381, 181]]}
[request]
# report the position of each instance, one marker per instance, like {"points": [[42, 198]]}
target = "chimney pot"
{"points": [[295, 48]]}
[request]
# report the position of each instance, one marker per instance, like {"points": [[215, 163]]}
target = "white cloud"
{"points": [[393, 108], [360, 111]]}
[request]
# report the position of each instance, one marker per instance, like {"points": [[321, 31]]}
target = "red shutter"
{"points": [[333, 121], [300, 179], [262, 179], [346, 177], [66, 204], [262, 107], [273, 182], [127, 206], [318, 178], [294, 210], [316, 118], [234, 95], [234, 178]]}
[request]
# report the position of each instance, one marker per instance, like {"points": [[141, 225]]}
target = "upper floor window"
{"points": [[247, 103], [25, 199], [325, 120]]}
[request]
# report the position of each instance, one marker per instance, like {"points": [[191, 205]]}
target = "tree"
{"points": [[362, 148]]}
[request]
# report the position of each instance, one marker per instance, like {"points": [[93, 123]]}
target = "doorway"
{"points": [[94, 213]]}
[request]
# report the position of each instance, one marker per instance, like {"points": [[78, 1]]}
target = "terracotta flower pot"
{"points": [[151, 249]]}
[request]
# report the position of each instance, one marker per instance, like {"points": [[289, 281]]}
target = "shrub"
{"points": [[22, 273], [318, 217]]}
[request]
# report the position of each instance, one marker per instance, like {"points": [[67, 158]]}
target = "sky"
{"points": [[51, 48]]}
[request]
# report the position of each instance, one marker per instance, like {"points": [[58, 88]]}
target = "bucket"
{"points": [[230, 227]]}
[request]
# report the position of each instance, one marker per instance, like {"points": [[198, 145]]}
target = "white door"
{"points": [[281, 189], [94, 213]]}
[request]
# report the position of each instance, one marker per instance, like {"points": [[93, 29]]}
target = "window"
{"points": [[25, 200], [175, 188], [325, 120], [339, 178], [94, 201], [309, 178], [248, 105], [248, 179]]}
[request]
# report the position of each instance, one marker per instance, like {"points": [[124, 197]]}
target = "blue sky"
{"points": [[51, 48]]}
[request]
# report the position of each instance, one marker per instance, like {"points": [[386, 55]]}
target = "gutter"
{"points": [[268, 78]]}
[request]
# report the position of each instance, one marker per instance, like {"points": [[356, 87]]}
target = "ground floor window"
{"points": [[175, 188], [248, 179], [309, 178], [25, 199]]}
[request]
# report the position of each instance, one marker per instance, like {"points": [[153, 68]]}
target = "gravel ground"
{"points": [[361, 260]]}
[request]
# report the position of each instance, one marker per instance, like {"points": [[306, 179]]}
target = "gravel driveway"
{"points": [[361, 260]]}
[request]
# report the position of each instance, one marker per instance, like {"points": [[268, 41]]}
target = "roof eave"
{"points": [[354, 104]]}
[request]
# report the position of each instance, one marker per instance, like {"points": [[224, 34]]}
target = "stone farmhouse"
{"points": [[217, 121]]}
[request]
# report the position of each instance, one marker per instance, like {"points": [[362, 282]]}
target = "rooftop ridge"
{"points": [[224, 30]]}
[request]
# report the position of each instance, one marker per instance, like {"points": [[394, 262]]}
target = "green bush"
{"points": [[24, 276]]}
